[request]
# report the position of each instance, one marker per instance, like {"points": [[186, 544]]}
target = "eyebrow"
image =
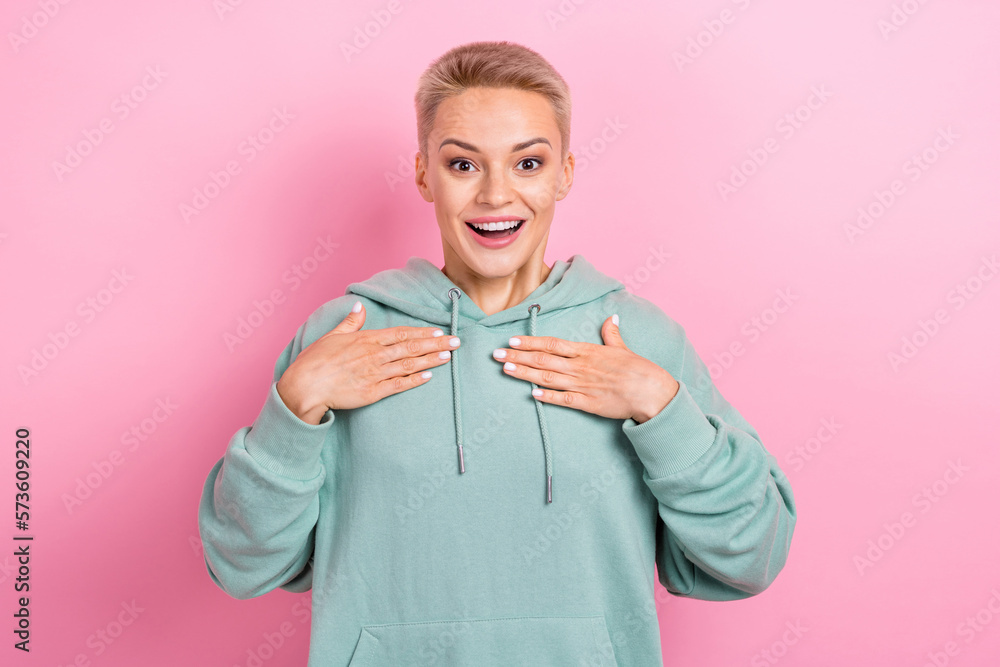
{"points": [[517, 147]]}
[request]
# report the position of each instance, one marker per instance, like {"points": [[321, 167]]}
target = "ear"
{"points": [[569, 167], [420, 177]]}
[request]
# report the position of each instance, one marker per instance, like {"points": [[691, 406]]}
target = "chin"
{"points": [[493, 263]]}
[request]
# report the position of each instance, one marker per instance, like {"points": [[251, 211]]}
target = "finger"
{"points": [[535, 359], [393, 335], [568, 399], [410, 346], [398, 384], [544, 352], [352, 321], [410, 365], [541, 377], [550, 344]]}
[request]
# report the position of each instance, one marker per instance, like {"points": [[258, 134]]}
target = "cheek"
{"points": [[451, 202], [541, 196], [455, 194]]}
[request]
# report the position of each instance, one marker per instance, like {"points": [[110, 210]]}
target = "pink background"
{"points": [[661, 135]]}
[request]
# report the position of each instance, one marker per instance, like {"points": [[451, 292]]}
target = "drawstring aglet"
{"points": [[550, 488], [461, 460]]}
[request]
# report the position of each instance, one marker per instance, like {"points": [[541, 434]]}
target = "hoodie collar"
{"points": [[421, 290]]}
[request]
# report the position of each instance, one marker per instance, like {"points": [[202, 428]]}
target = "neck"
{"points": [[494, 293]]}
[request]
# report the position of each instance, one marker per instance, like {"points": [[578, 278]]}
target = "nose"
{"points": [[496, 189]]}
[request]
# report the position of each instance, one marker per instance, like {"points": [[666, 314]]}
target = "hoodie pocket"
{"points": [[573, 641]]}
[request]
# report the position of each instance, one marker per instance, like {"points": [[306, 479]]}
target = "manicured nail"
{"points": [[514, 342], [499, 353], [509, 367], [356, 308], [537, 392], [454, 342], [437, 332], [444, 354], [614, 318], [425, 374]]}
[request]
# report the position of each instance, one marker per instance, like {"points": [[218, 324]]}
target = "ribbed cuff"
{"points": [[674, 438], [284, 444]]}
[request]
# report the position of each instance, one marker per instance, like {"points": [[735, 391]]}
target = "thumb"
{"points": [[610, 332], [353, 321]]}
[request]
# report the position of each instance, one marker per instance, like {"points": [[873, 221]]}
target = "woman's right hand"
{"points": [[347, 368]]}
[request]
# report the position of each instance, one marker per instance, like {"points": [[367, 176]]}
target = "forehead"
{"points": [[495, 116]]}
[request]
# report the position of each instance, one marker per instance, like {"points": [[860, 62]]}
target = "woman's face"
{"points": [[494, 152]]}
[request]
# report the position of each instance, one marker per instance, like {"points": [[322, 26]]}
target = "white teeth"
{"points": [[494, 226]]}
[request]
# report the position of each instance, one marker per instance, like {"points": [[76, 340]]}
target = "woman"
{"points": [[414, 503]]}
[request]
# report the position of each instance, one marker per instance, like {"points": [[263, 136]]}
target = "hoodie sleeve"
{"points": [[726, 510], [259, 505]]}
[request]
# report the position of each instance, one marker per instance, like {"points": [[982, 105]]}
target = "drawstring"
{"points": [[541, 415], [455, 294]]}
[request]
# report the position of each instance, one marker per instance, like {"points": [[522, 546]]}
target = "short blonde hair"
{"points": [[500, 64]]}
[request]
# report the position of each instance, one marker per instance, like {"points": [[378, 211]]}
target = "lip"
{"points": [[501, 242], [495, 218]]}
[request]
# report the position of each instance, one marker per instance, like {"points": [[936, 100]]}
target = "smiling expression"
{"points": [[494, 153]]}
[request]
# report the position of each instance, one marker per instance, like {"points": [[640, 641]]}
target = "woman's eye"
{"points": [[528, 163]]}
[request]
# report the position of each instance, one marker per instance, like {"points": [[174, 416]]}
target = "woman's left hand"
{"points": [[609, 380]]}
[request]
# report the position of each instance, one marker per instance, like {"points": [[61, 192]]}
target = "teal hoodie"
{"points": [[424, 524]]}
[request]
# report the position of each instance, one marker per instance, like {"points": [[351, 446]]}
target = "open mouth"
{"points": [[497, 233]]}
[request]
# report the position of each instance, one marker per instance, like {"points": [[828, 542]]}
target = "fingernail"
{"points": [[444, 354], [509, 367], [454, 341], [514, 342], [499, 353], [437, 332], [537, 392], [425, 374], [614, 318], [357, 307]]}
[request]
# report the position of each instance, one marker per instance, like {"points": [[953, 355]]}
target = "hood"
{"points": [[421, 290]]}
